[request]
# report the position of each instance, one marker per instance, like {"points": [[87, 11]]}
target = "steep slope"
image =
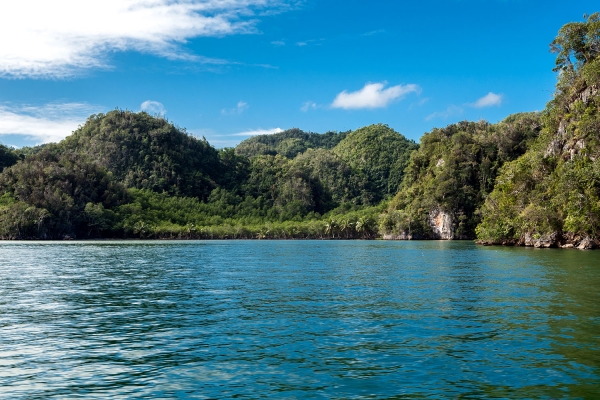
{"points": [[450, 175], [551, 195]]}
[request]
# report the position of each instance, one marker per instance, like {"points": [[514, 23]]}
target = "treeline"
{"points": [[531, 179]]}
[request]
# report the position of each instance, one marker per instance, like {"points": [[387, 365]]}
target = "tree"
{"points": [[577, 43]]}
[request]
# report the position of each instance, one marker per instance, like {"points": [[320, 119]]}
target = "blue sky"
{"points": [[227, 69]]}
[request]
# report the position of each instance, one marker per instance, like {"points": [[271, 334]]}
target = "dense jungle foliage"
{"points": [[454, 170], [553, 190], [126, 174]]}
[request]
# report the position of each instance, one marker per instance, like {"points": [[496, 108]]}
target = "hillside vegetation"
{"points": [[125, 174], [450, 175], [551, 195]]}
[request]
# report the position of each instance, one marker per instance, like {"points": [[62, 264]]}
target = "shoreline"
{"points": [[585, 243]]}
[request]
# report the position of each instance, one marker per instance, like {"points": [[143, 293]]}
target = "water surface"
{"points": [[297, 319]]}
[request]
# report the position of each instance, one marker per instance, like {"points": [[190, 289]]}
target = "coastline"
{"points": [[554, 241]]}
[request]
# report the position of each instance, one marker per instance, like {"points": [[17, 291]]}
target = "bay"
{"points": [[297, 319]]}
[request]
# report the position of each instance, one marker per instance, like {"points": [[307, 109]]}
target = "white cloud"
{"points": [[59, 38], [278, 43], [373, 95], [153, 107], [448, 112], [259, 132], [238, 109], [489, 100], [47, 123], [301, 44], [309, 105]]}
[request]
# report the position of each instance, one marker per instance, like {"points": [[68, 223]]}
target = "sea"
{"points": [[323, 319]]}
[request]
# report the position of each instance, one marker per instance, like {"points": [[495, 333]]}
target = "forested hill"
{"points": [[125, 174], [147, 153]]}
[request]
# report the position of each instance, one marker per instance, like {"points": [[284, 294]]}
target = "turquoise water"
{"points": [[297, 319]]}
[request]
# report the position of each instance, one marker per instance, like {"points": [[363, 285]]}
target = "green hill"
{"points": [[450, 175], [381, 154], [145, 152]]}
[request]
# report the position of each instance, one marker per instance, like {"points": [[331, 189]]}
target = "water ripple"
{"points": [[297, 319]]}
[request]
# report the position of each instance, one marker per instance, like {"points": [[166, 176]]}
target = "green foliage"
{"points": [[153, 215], [7, 157], [147, 153], [555, 186], [288, 143], [380, 154], [454, 170], [46, 196], [577, 43], [132, 175]]}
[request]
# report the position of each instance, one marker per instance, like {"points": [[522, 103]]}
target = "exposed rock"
{"points": [[567, 240], [546, 241], [440, 163], [562, 129], [554, 148], [441, 224], [587, 93], [586, 244]]}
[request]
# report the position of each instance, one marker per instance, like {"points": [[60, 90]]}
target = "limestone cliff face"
{"points": [[440, 223], [553, 240]]}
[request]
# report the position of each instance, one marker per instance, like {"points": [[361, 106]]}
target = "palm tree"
{"points": [[330, 228], [345, 224]]}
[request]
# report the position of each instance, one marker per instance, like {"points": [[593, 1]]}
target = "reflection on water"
{"points": [[297, 319]]}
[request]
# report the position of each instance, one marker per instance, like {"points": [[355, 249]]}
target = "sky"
{"points": [[229, 69]]}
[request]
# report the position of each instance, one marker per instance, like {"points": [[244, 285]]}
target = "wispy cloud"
{"points": [[447, 113], [153, 107], [60, 38], [489, 100], [238, 109], [315, 42], [375, 32], [278, 43], [309, 105], [373, 95], [259, 132], [47, 123]]}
